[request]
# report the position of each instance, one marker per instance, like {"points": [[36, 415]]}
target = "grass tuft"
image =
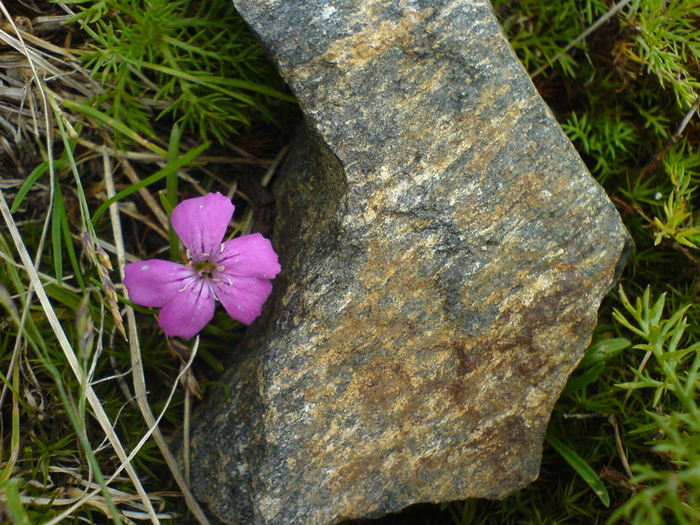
{"points": [[193, 62], [124, 110]]}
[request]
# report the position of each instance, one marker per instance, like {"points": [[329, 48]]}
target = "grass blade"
{"points": [[71, 357], [160, 174], [28, 183], [582, 468], [57, 214], [14, 502], [171, 186], [115, 124]]}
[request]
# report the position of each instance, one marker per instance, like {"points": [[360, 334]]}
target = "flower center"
{"points": [[204, 269]]}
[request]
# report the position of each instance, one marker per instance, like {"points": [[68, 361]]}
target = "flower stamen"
{"points": [[188, 283]]}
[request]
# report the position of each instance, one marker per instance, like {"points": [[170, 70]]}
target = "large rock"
{"points": [[444, 252]]}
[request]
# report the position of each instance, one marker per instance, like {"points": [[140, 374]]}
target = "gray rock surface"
{"points": [[444, 253]]}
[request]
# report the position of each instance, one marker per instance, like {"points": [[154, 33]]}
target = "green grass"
{"points": [[148, 101], [191, 61], [157, 101]]}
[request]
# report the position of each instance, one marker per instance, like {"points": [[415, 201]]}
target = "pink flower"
{"points": [[235, 272]]}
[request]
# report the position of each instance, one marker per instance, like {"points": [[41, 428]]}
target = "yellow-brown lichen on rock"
{"points": [[444, 253]]}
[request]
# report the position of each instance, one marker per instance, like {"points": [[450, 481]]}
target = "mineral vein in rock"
{"points": [[444, 253]]}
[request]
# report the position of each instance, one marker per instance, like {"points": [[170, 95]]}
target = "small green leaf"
{"points": [[63, 296], [604, 350], [582, 468], [28, 183]]}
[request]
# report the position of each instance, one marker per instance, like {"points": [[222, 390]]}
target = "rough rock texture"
{"points": [[444, 253]]}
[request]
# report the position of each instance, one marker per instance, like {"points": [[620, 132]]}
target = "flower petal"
{"points": [[243, 297], [189, 311], [249, 256], [201, 223], [154, 282]]}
